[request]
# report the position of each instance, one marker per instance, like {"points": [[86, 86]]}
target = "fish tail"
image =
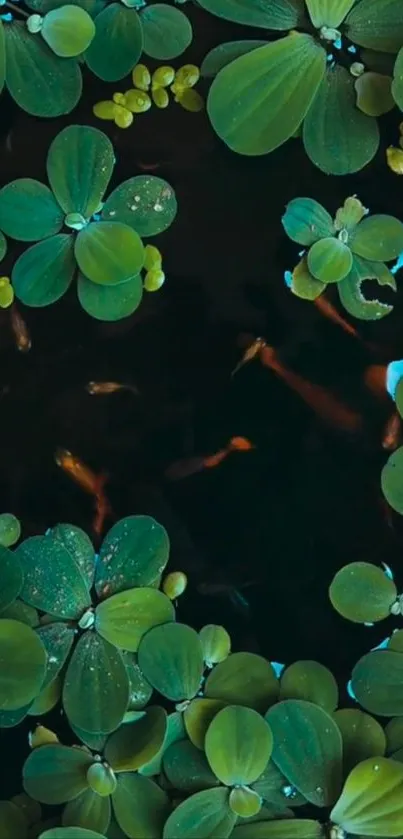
{"points": [[215, 459], [239, 601], [184, 468], [375, 380]]}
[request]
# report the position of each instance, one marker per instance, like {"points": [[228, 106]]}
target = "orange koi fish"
{"points": [[20, 330], [91, 483], [189, 466], [392, 432]]}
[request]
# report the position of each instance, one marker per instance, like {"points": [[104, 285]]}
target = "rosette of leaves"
{"points": [[94, 614], [327, 80], [103, 245], [392, 472], [345, 250], [126, 29], [50, 43]]}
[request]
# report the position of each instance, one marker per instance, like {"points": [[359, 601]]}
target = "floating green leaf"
{"points": [[362, 735], [171, 659], [175, 731], [305, 221], [372, 799], [28, 211], [284, 829], [117, 44], [280, 14], [377, 682], [222, 55], [53, 774], [43, 273], [62, 593], [307, 749], [312, 681], [20, 611], [379, 238], [374, 94], [272, 787], [396, 641], [303, 284], [238, 745], [392, 480], [124, 618], [243, 679], [329, 260], [135, 744], [379, 28], [350, 214], [80, 548], [145, 203], [110, 303], [397, 84], [22, 664], [11, 577], [351, 295], [3, 240], [276, 83], [47, 698], [10, 529], [198, 716], [109, 252], [166, 31], [394, 736], [13, 821], [187, 769], [96, 686], [245, 802], [329, 13], [79, 164], [141, 806], [216, 644], [68, 30], [133, 553], [362, 593], [140, 690], [70, 833], [205, 815], [90, 809]]}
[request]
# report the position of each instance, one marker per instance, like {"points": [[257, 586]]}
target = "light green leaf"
{"points": [[362, 735], [68, 30], [124, 618], [175, 731], [378, 238], [258, 101], [216, 644], [362, 593], [133, 553], [88, 810], [304, 284], [197, 717], [135, 744], [22, 664], [377, 682], [109, 252], [374, 94], [10, 529], [312, 681], [352, 297], [47, 698], [51, 87], [283, 829], [305, 221], [243, 679], [329, 13], [397, 84], [117, 44], [307, 749], [222, 55], [110, 303], [338, 137], [238, 745], [171, 659], [279, 14], [205, 815], [167, 32], [187, 769], [377, 27], [54, 773], [43, 273], [329, 260], [372, 799], [145, 203], [79, 164], [28, 211], [11, 577], [140, 806], [350, 214], [62, 593]]}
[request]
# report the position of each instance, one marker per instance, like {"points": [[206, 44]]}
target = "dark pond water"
{"points": [[306, 500]]}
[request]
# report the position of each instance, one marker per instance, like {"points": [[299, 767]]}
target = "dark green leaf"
{"points": [[377, 682], [28, 211], [312, 681], [133, 553], [284, 829], [88, 810], [377, 27], [175, 731], [378, 238], [22, 664], [392, 480], [11, 577], [110, 303], [351, 295], [13, 821], [222, 55], [305, 221], [80, 548], [53, 774], [43, 273], [79, 164], [362, 735], [171, 659], [362, 593], [167, 32], [145, 203], [63, 592], [187, 769], [205, 815], [124, 618], [397, 84], [134, 744], [117, 44], [141, 807], [243, 679], [280, 14]]}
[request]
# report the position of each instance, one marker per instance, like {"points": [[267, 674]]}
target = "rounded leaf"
{"points": [[167, 32], [3, 242], [374, 95], [329, 260], [19, 611], [379, 238], [307, 749], [350, 214], [64, 593], [43, 273], [140, 806], [362, 735], [22, 664], [275, 790], [117, 44], [303, 284], [397, 84], [187, 769], [96, 685], [352, 296], [371, 802], [101, 779], [68, 30], [110, 303], [222, 55], [124, 618], [134, 553], [245, 802], [13, 821], [53, 774], [392, 480], [305, 221], [216, 644], [28, 211], [238, 745], [377, 682], [197, 717], [362, 592], [145, 203], [135, 744], [243, 679], [205, 815], [10, 529], [175, 731], [79, 546], [89, 810], [11, 577], [277, 83], [79, 164], [311, 681], [171, 659], [375, 27], [109, 252]]}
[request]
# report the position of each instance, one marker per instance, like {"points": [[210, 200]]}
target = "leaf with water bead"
{"points": [[140, 690], [303, 284], [307, 749], [124, 618], [63, 592], [22, 664], [175, 731], [216, 644], [284, 829], [377, 682], [371, 802], [141, 807], [29, 211], [312, 681], [79, 164], [146, 203], [109, 253], [96, 686], [243, 679], [329, 260], [362, 593], [205, 815], [378, 238], [58, 639], [68, 30], [79, 546], [110, 303], [117, 44], [167, 32], [10, 530], [274, 789], [13, 821], [187, 768], [362, 735], [238, 745], [11, 577], [54, 773], [392, 480], [375, 27], [134, 552], [171, 659], [351, 294], [43, 273], [305, 221], [88, 810], [135, 744]]}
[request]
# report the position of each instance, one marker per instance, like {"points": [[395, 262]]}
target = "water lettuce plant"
{"points": [[103, 247], [345, 250], [327, 79]]}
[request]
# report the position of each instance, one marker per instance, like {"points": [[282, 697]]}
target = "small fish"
{"points": [[325, 405], [91, 483], [104, 388], [228, 591], [250, 353], [20, 330], [189, 466], [392, 433], [148, 167]]}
